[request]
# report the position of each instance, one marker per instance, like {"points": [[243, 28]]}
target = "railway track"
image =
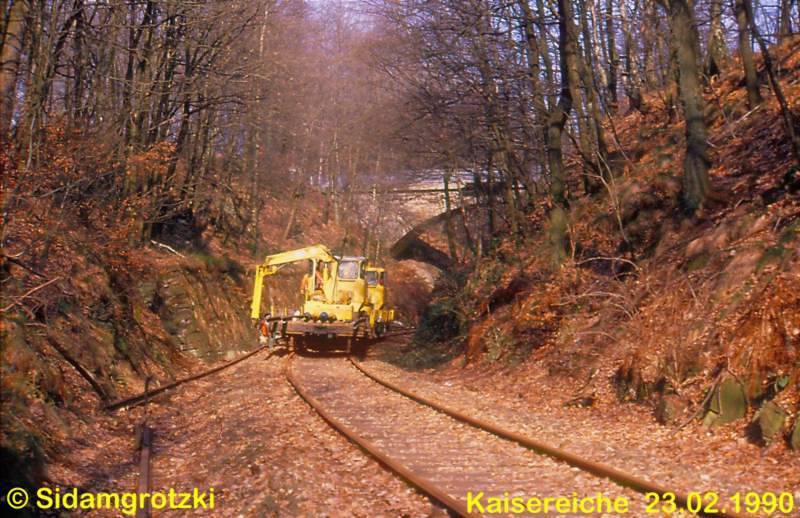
{"points": [[147, 395], [468, 465], [463, 466]]}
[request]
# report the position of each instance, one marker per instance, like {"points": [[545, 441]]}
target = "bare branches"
{"points": [[167, 247], [18, 300]]}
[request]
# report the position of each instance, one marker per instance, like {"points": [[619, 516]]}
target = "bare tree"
{"points": [[717, 55], [10, 52], [684, 38], [785, 19], [567, 44], [746, 53]]}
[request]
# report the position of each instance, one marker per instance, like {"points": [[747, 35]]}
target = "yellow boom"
{"points": [[273, 263], [343, 297]]}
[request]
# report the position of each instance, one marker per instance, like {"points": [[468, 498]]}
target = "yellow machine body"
{"points": [[336, 298], [376, 296]]}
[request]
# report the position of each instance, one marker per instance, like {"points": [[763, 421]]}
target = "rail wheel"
{"points": [[300, 344]]}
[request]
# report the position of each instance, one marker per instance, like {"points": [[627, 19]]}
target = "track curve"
{"points": [[602, 470], [447, 459]]}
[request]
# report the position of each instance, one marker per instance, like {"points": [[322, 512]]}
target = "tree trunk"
{"points": [[448, 222], [572, 62], [695, 165], [468, 241], [632, 80], [334, 177], [599, 164], [297, 194], [534, 70], [78, 110], [613, 56], [717, 57], [785, 21], [9, 60], [746, 54], [595, 50], [671, 81], [489, 196], [544, 50], [558, 117], [496, 115], [653, 45]]}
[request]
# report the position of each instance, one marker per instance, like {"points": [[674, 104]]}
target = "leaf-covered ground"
{"points": [[245, 433], [626, 436]]}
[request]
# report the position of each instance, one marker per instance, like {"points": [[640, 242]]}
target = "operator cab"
{"points": [[350, 283], [351, 268], [375, 276], [376, 286]]}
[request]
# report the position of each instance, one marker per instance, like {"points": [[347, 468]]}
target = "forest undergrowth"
{"points": [[696, 316]]}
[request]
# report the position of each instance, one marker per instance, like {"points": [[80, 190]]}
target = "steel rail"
{"points": [[144, 437], [596, 468], [145, 396], [422, 483]]}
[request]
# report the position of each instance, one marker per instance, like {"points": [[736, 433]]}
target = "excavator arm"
{"points": [[273, 263]]}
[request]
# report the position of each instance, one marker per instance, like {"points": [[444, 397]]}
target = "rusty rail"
{"points": [[596, 468], [423, 484], [143, 397], [144, 444], [144, 436], [147, 394]]}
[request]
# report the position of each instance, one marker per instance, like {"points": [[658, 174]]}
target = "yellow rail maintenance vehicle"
{"points": [[337, 304]]}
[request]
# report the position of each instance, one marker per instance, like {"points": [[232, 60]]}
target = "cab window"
{"points": [[372, 278], [348, 271]]}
